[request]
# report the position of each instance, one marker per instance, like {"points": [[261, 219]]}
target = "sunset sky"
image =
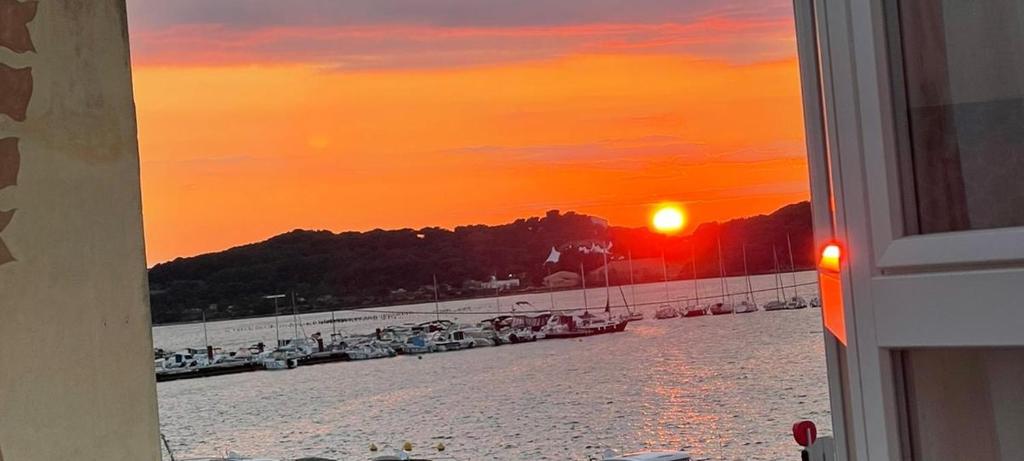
{"points": [[257, 117]]}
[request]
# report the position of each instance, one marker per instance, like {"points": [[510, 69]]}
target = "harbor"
{"points": [[720, 387], [313, 339]]}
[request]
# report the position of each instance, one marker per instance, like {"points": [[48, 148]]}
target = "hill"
{"points": [[357, 269]]}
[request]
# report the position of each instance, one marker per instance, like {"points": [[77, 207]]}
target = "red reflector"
{"points": [[832, 291], [832, 304]]}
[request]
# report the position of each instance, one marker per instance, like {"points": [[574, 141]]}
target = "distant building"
{"points": [[495, 284], [562, 279], [644, 271]]}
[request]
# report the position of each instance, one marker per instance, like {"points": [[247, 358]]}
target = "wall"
{"points": [[76, 377]]}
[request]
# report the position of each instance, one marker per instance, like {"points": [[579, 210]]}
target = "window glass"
{"points": [[965, 403], [962, 81]]}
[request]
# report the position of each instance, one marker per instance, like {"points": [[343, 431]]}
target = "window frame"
{"points": [[897, 250], [901, 291]]}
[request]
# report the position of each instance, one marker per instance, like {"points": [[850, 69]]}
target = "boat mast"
{"points": [[607, 286], [693, 265], [664, 270], [792, 267], [277, 316], [551, 287], [746, 274], [778, 276], [437, 301], [295, 317], [206, 338], [721, 269], [632, 284], [583, 278]]}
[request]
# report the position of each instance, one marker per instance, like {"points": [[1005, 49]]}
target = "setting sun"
{"points": [[668, 219]]}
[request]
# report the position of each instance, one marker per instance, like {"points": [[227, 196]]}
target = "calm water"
{"points": [[725, 387]]}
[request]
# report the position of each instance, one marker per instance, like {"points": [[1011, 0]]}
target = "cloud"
{"points": [[450, 33], [255, 14]]}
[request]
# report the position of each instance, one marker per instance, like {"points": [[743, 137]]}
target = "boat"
{"points": [[610, 455], [634, 316], [721, 308], [575, 326], [666, 312], [418, 344], [796, 302], [815, 302], [694, 311], [745, 307], [775, 306], [368, 351]]}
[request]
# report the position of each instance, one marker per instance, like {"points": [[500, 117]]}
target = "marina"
{"points": [[658, 385], [523, 323]]}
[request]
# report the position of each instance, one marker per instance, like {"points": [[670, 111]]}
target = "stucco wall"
{"points": [[76, 373]]}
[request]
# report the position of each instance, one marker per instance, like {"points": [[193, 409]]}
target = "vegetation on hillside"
{"points": [[358, 269]]}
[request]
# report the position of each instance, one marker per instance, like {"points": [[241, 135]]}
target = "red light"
{"points": [[830, 257]]}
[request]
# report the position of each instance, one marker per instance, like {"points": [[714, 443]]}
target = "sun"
{"points": [[668, 219]]}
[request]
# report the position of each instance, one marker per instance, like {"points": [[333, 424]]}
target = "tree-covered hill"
{"points": [[355, 269]]}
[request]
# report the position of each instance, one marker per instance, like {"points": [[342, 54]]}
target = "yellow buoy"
{"points": [[407, 446], [373, 447], [440, 446]]}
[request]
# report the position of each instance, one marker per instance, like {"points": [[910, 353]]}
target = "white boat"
{"points": [[586, 324], [666, 312], [610, 455], [796, 302], [418, 344], [634, 316], [232, 456], [721, 308], [775, 306], [369, 351], [746, 307]]}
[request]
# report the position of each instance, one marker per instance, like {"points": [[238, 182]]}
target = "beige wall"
{"points": [[76, 376]]}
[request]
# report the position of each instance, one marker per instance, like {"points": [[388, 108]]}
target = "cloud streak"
{"points": [[396, 39]]}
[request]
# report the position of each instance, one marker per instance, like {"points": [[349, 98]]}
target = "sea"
{"points": [[720, 387]]}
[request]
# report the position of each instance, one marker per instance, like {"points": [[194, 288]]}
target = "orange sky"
{"points": [[242, 142]]}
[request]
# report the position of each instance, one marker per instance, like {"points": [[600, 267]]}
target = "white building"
{"points": [[915, 127]]}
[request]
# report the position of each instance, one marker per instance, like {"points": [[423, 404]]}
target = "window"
{"points": [[961, 74], [965, 403]]}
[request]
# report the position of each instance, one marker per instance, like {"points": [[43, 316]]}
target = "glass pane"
{"points": [[962, 155], [965, 403]]}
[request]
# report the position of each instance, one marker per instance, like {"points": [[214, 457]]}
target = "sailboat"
{"points": [[795, 302], [748, 304], [633, 315], [776, 305], [722, 307], [695, 309]]}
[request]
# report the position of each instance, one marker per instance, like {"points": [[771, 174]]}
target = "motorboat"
{"points": [[648, 456], [368, 351], [695, 311], [745, 307], [586, 324], [634, 316], [418, 344], [666, 312], [721, 308], [796, 302], [232, 456]]}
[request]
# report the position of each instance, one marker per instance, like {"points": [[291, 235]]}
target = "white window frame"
{"points": [[936, 290]]}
